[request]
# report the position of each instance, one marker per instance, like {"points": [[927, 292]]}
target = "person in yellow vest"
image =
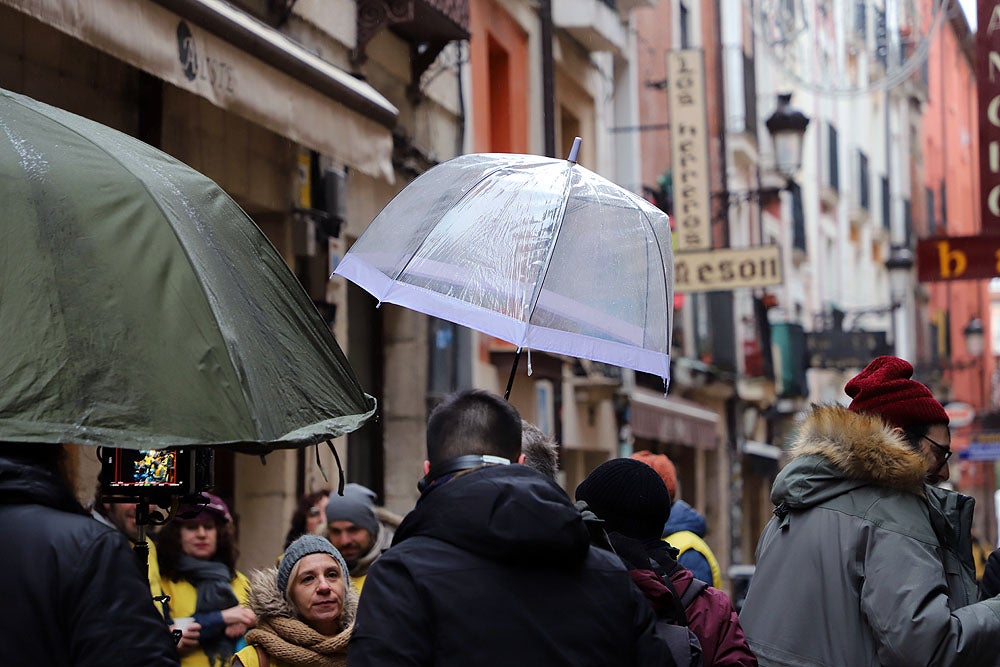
{"points": [[685, 529], [197, 555], [305, 609], [360, 530], [121, 516]]}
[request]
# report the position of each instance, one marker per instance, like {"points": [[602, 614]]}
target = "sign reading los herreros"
{"points": [[689, 150]]}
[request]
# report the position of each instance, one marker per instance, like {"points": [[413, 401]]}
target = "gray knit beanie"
{"points": [[305, 545], [357, 505]]}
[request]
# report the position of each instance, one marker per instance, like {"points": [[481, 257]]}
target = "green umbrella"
{"points": [[140, 307]]}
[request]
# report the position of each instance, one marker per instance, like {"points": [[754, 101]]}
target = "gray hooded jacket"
{"points": [[863, 564]]}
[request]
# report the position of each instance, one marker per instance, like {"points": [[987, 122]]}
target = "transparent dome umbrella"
{"points": [[141, 308], [536, 251]]}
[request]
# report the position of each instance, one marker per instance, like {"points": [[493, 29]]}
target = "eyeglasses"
{"points": [[947, 450], [313, 511]]}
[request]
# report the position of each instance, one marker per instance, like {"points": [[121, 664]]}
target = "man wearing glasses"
{"points": [[866, 561]]}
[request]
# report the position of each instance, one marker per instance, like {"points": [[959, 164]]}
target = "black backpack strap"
{"points": [[679, 615], [694, 589]]}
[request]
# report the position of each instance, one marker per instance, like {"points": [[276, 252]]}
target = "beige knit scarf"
{"points": [[292, 641]]}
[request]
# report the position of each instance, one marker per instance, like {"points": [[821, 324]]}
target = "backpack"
{"points": [[672, 625]]}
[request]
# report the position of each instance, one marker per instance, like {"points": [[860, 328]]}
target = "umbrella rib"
{"points": [[431, 228], [659, 250], [552, 247]]}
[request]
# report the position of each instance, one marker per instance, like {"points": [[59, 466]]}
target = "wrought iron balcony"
{"points": [[427, 25]]}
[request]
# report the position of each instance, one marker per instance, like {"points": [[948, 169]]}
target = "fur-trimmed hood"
{"points": [[268, 602], [837, 450]]}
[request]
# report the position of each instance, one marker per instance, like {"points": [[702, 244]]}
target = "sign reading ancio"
{"points": [[727, 269], [988, 85], [689, 149]]}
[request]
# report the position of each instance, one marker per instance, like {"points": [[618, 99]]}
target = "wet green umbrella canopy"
{"points": [[140, 307]]}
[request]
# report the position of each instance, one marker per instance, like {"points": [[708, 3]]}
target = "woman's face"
{"points": [[199, 540], [314, 517], [317, 592]]}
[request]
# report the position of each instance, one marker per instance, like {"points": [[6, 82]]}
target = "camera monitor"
{"points": [[136, 471]]}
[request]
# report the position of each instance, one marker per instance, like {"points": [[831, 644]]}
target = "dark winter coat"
{"points": [[494, 567], [990, 585], [73, 592], [863, 564]]}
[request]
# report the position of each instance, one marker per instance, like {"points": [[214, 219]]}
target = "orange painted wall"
{"points": [[950, 141], [498, 61]]}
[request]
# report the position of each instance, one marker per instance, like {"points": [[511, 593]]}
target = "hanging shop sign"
{"points": [[689, 150], [958, 258], [988, 87], [727, 269], [845, 349], [961, 414], [983, 446]]}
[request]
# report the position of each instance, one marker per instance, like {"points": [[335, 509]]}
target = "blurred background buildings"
{"points": [[312, 114]]}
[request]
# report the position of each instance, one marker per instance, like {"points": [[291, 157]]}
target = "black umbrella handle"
{"points": [[513, 371]]}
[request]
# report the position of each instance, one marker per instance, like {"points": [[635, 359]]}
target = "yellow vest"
{"points": [[684, 540], [155, 587], [184, 597], [247, 657], [357, 583]]}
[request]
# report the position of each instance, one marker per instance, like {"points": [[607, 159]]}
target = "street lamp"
{"points": [[899, 264], [787, 127], [974, 336]]}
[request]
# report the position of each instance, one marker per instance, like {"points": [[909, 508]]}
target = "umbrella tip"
{"points": [[575, 151]]}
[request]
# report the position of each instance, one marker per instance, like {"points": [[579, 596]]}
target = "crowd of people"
{"points": [[866, 561]]}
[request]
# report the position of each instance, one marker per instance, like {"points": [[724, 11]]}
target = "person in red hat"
{"points": [[867, 562], [208, 596]]}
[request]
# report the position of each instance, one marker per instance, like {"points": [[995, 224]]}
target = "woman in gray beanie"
{"points": [[305, 609]]}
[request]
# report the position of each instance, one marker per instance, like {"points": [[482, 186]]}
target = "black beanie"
{"points": [[629, 496]]}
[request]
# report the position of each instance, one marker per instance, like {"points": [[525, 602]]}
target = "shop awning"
{"points": [[672, 420], [239, 64]]}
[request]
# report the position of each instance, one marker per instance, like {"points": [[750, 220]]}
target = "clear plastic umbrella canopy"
{"points": [[536, 251]]}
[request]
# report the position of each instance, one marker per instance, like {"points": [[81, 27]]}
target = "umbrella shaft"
{"points": [[513, 371]]}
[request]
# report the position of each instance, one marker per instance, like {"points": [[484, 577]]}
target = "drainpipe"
{"points": [[732, 403], [548, 78]]}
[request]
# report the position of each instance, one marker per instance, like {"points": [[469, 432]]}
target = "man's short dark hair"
{"points": [[473, 422]]}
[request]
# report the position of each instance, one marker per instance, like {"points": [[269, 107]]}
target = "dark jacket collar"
{"points": [[507, 513]]}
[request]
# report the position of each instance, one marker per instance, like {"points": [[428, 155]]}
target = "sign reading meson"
{"points": [[988, 84], [727, 269], [689, 149]]}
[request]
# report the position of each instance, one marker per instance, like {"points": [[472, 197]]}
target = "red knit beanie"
{"points": [[884, 388], [663, 466]]}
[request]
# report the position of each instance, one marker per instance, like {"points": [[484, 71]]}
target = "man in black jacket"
{"points": [[494, 565], [73, 592]]}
